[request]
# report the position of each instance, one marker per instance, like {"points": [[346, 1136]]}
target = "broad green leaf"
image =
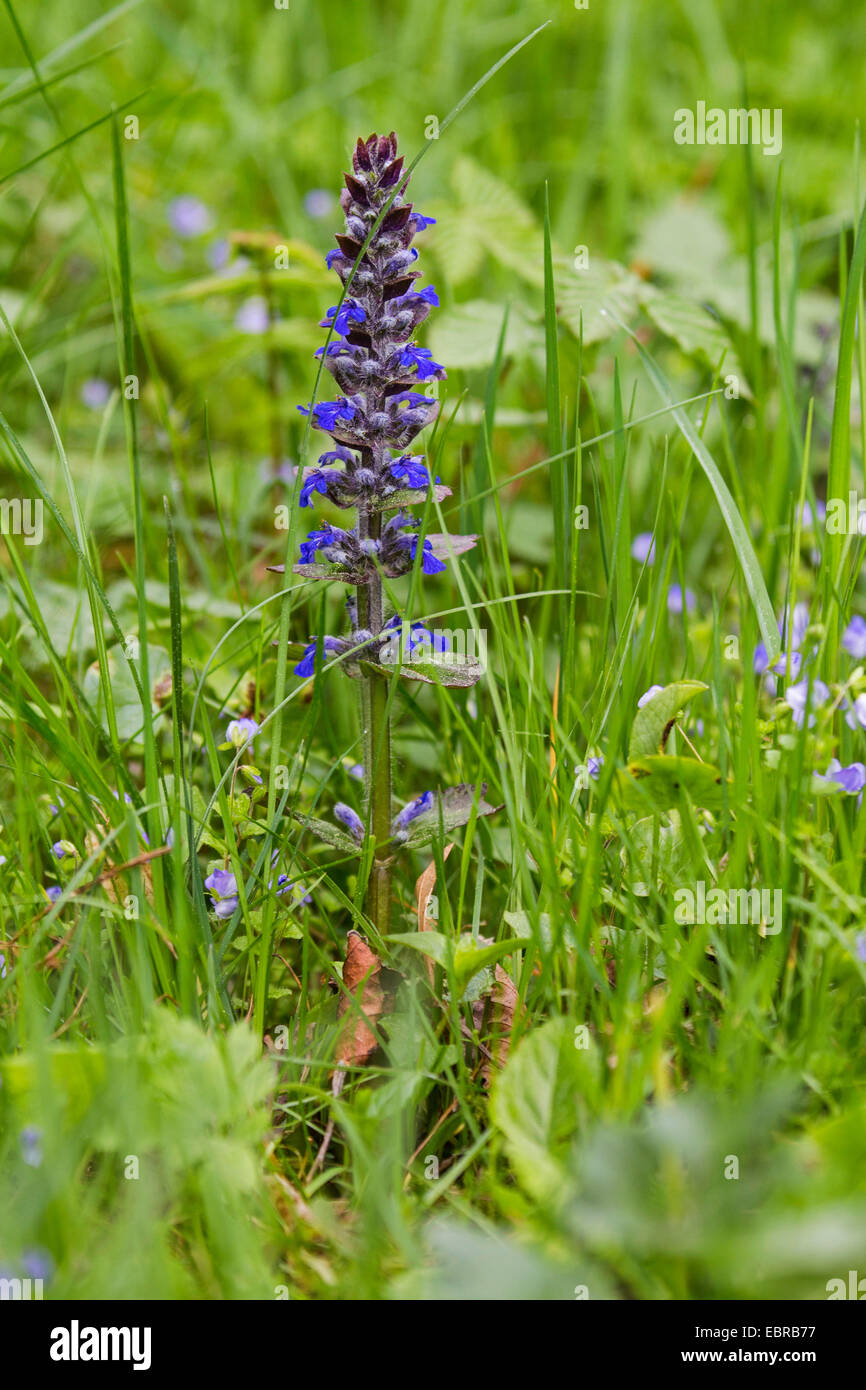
{"points": [[538, 1100], [467, 335], [463, 957], [590, 300], [124, 693], [653, 721], [654, 784], [694, 329]]}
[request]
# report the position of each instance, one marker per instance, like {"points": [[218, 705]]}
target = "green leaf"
{"points": [[124, 691], [329, 833], [537, 1103], [451, 809], [591, 299], [694, 329], [467, 335], [653, 721], [464, 957], [654, 784], [441, 670]]}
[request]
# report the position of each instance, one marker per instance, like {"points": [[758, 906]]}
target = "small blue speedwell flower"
{"points": [[241, 732], [223, 888]]}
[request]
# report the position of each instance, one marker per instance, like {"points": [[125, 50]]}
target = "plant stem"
{"points": [[377, 746]]}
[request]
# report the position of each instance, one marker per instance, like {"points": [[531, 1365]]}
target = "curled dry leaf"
{"points": [[357, 1041], [423, 893], [494, 1017]]}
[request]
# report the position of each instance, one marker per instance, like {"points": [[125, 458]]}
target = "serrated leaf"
{"points": [[694, 329], [653, 721], [583, 295], [467, 335]]}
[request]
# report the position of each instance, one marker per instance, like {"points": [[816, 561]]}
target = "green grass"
{"points": [[675, 1111]]}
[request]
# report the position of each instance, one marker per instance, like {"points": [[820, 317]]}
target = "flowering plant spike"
{"points": [[383, 377]]}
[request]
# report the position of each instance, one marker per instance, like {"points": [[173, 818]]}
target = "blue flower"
{"points": [[797, 698], [327, 415], [189, 217], [860, 946], [594, 766], [318, 203], [37, 1264], [332, 256], [350, 819], [792, 629], [680, 599], [643, 548], [53, 892], [412, 398], [318, 480], [648, 694], [857, 713], [852, 778], [307, 665], [422, 359], [854, 638], [415, 808], [429, 562], [223, 888], [253, 316], [320, 540], [336, 350], [285, 885], [341, 317], [421, 222], [30, 1140], [95, 393], [418, 636], [241, 732], [410, 471], [429, 296]]}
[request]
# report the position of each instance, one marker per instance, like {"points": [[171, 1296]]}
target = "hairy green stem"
{"points": [[377, 746]]}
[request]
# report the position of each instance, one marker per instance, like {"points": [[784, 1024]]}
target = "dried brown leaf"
{"points": [[357, 1041], [423, 893]]}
